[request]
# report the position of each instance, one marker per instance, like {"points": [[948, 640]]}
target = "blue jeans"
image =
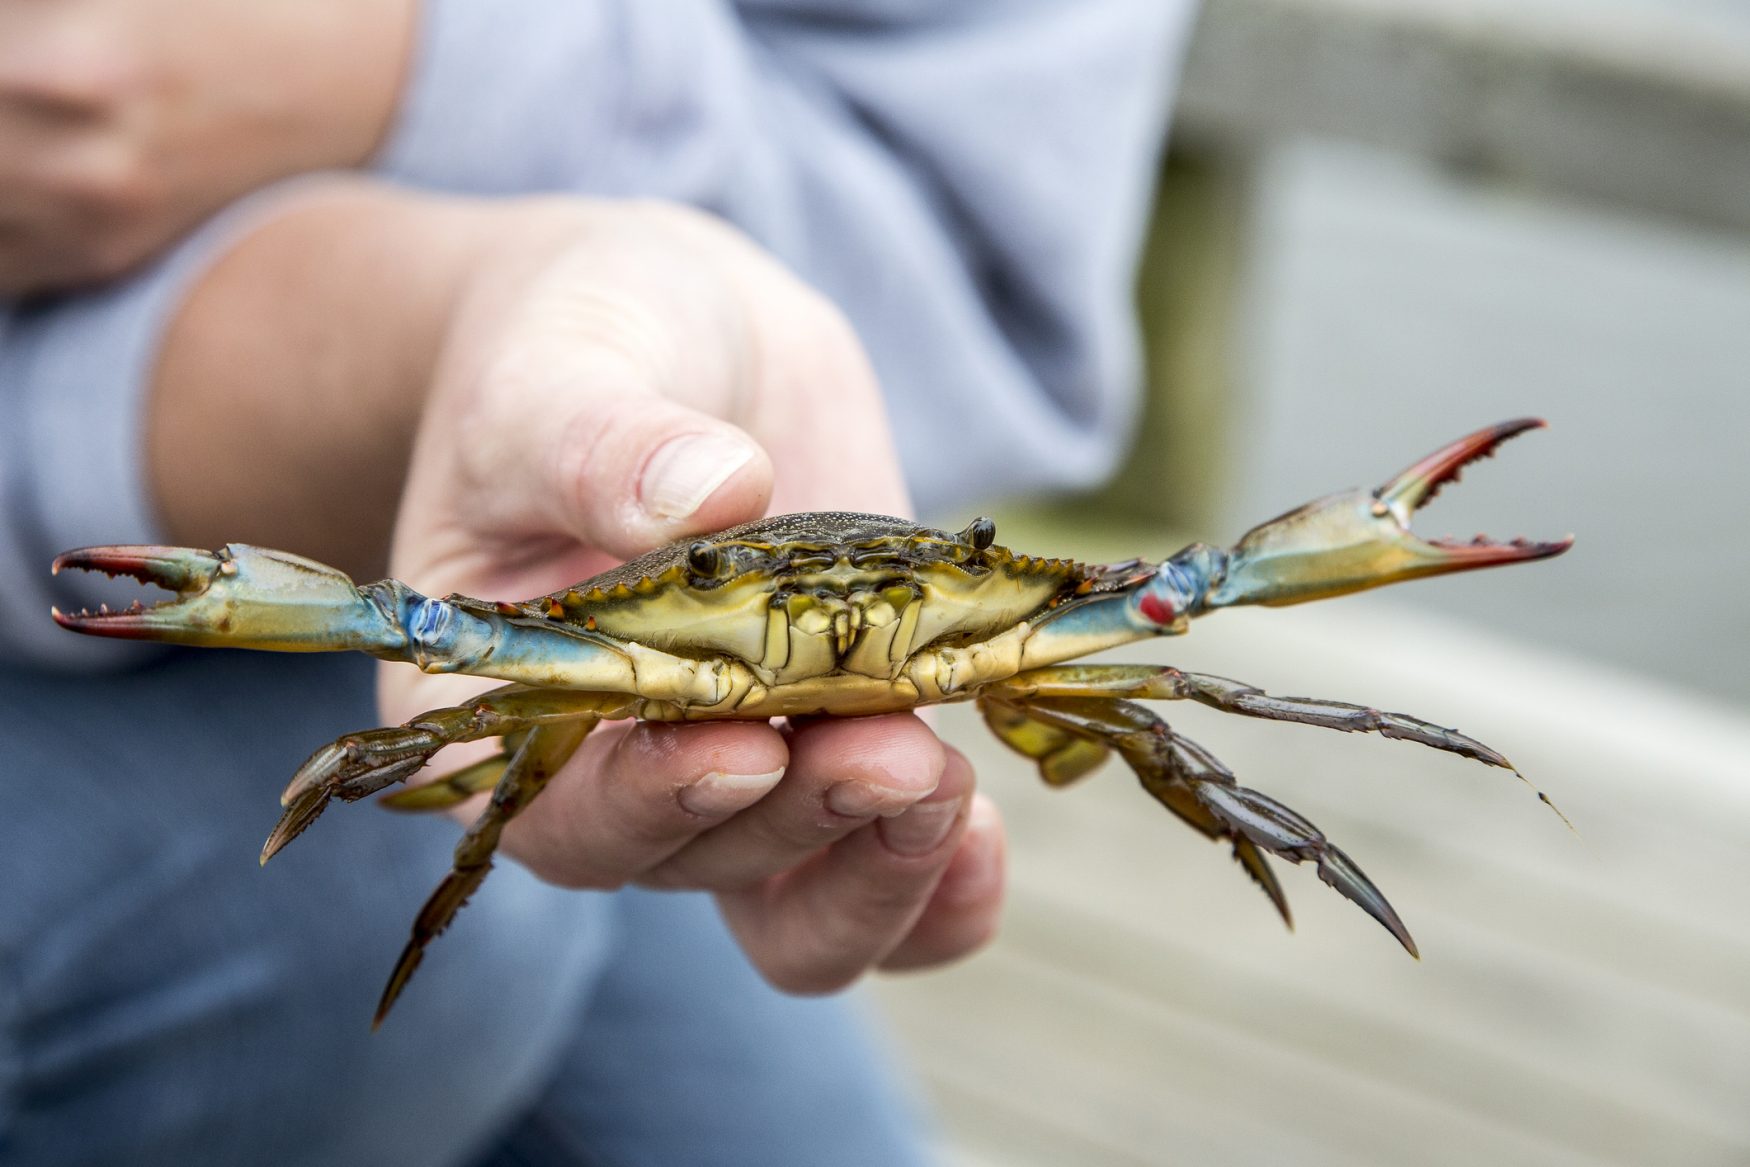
{"points": [[164, 1001]]}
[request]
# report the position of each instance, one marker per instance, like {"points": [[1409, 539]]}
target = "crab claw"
{"points": [[237, 597], [1362, 539]]}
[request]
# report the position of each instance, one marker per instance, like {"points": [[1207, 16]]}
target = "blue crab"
{"points": [[826, 613]]}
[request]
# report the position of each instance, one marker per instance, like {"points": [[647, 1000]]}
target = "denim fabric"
{"points": [[691, 1060], [162, 1001]]}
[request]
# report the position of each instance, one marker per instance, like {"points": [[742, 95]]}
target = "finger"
{"points": [[610, 467], [962, 914], [621, 477], [57, 64], [818, 928], [657, 474], [34, 256], [71, 200], [843, 774], [42, 225], [37, 141], [630, 799]]}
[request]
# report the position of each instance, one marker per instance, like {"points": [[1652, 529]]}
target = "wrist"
{"points": [[293, 374]]}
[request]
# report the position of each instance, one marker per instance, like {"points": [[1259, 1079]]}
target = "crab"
{"points": [[826, 613]]}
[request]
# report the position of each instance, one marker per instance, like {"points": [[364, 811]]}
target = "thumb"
{"points": [[641, 471], [580, 432]]}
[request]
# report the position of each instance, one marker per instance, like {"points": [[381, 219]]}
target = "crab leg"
{"points": [[363, 763], [252, 597], [1190, 782], [1150, 682], [456, 787], [1158, 683], [1062, 756], [1067, 752], [543, 751]]}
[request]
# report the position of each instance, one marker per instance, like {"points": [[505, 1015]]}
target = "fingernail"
{"points": [[861, 800], [718, 794], [921, 829], [685, 471]]}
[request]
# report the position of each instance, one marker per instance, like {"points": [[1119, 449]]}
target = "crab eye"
{"points": [[704, 558], [979, 534]]}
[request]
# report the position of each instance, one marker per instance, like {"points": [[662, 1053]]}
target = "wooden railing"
{"points": [[1645, 103], [1634, 104]]}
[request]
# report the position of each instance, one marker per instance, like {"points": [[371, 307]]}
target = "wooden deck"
{"points": [[1581, 999]]}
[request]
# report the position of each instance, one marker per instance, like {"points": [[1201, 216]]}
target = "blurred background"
{"points": [[1383, 224]]}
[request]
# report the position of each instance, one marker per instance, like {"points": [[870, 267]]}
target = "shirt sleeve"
{"points": [[70, 465], [73, 377]]}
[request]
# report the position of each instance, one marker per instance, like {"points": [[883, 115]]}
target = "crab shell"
{"points": [[812, 596]]}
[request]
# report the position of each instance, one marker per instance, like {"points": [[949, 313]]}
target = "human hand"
{"points": [[125, 122], [635, 374]]}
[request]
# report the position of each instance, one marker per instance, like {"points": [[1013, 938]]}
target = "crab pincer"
{"points": [[1362, 538], [237, 597]]}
